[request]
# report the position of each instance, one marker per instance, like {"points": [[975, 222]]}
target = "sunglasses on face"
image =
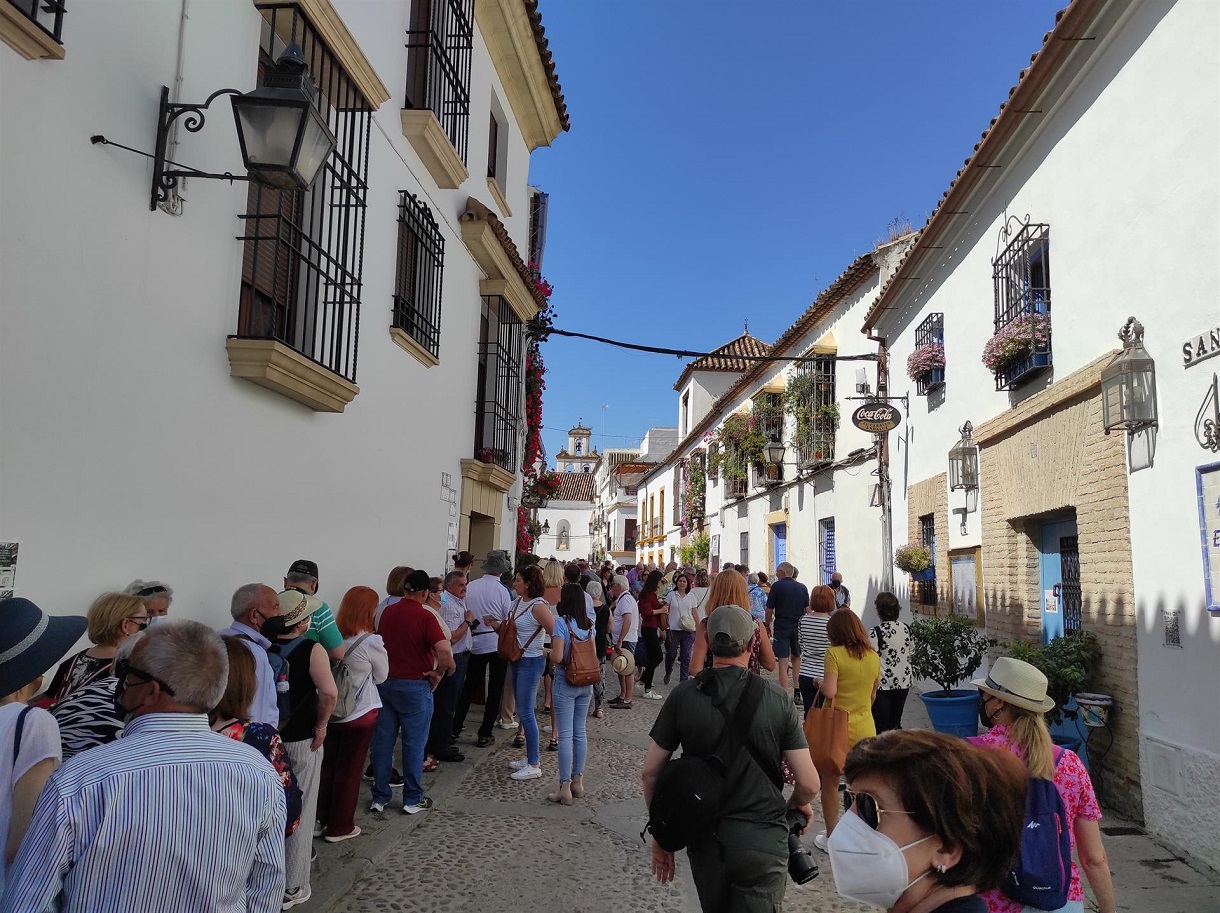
{"points": [[868, 810], [122, 669]]}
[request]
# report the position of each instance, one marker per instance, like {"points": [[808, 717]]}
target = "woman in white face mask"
{"points": [[933, 821]]}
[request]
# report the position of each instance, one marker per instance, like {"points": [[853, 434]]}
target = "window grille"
{"points": [[501, 363], [927, 538], [769, 415], [744, 557], [304, 249], [417, 283], [928, 334], [816, 409], [48, 15], [1022, 286], [829, 564], [1070, 592], [735, 488], [439, 48]]}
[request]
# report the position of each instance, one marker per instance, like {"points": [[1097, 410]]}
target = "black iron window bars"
{"points": [[417, 282], [929, 334], [498, 402], [927, 538], [48, 15], [812, 384], [440, 45], [1021, 277], [304, 249]]}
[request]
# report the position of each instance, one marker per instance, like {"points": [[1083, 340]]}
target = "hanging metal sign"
{"points": [[876, 418]]}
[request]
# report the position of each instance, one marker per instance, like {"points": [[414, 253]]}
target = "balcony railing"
{"points": [[628, 545], [735, 488], [1022, 287], [48, 15], [438, 67]]}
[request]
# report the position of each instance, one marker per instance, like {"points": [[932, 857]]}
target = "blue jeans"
{"points": [[527, 672], [407, 705], [679, 647], [571, 711]]}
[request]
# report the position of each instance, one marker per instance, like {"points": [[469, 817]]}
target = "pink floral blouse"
{"points": [[1076, 790]]}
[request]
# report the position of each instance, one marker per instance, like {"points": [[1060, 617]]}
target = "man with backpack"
{"points": [[734, 729], [251, 606]]}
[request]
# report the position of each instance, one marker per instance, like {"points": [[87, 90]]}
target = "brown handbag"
{"points": [[506, 643], [582, 666], [826, 732]]}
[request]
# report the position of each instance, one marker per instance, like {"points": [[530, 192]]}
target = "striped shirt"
{"points": [[814, 644], [171, 817]]}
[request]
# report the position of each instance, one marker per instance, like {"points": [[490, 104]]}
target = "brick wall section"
{"points": [[931, 496], [1052, 459]]}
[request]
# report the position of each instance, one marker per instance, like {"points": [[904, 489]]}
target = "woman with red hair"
{"points": [[348, 739], [729, 588]]}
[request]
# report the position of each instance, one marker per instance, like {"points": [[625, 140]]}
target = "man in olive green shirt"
{"points": [[741, 865]]}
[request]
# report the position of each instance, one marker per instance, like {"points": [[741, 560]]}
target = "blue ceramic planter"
{"points": [[956, 714], [1024, 370], [927, 575]]}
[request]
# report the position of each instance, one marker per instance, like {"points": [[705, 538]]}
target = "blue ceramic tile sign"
{"points": [[1207, 483]]}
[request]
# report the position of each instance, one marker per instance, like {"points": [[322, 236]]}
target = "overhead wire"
{"points": [[690, 353]]}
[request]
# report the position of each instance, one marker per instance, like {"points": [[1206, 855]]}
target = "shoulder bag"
{"points": [[581, 666], [507, 645], [347, 689], [826, 732]]}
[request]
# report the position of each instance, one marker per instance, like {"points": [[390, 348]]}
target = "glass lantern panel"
{"points": [[315, 147], [269, 133]]}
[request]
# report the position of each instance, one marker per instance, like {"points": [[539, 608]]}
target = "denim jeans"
{"points": [[679, 647], [406, 704], [571, 713], [444, 705], [527, 672]]}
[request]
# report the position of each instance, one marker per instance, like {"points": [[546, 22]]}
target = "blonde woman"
{"points": [[1014, 703], [729, 588], [112, 619]]}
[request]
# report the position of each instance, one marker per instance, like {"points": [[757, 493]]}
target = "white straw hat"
{"points": [[1018, 683]]}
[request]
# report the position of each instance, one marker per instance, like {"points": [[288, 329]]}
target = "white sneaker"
{"points": [[653, 695], [527, 773], [507, 724], [518, 764], [820, 842], [318, 828], [377, 807], [296, 896]]}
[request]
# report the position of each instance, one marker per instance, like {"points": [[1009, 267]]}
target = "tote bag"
{"points": [[826, 732]]}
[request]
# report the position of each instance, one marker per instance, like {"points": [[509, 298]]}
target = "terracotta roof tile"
{"points": [[574, 486], [548, 62], [727, 358], [477, 212], [1057, 44]]}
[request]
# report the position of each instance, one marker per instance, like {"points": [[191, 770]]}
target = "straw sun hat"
{"points": [[1018, 683]]}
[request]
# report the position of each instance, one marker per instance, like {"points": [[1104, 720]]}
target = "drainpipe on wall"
{"points": [[883, 469]]}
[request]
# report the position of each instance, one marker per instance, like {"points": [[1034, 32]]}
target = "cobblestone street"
{"points": [[495, 844]]}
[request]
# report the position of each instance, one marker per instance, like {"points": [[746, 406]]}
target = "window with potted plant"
{"points": [[926, 364]]}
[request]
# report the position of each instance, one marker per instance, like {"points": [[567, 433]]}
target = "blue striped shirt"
{"points": [[171, 817]]}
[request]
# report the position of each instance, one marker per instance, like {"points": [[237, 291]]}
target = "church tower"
{"points": [[578, 455]]}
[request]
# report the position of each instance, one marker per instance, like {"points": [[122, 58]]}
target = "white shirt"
{"points": [[39, 741], [527, 625], [680, 606], [369, 664], [626, 605], [486, 596], [453, 610]]}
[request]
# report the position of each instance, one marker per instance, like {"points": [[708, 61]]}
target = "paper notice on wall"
{"points": [[1050, 602], [8, 568], [451, 539]]}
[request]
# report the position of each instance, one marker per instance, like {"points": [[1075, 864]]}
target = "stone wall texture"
{"points": [[931, 496], [1049, 457]]}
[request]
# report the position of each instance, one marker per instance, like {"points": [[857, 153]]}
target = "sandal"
{"points": [[431, 764], [552, 745], [518, 742], [599, 713]]}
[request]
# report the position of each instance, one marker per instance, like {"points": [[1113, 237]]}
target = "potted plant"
{"points": [[828, 415], [1025, 339], [948, 649], [916, 560], [1068, 663], [926, 366]]}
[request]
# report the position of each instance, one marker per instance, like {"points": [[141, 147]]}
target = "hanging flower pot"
{"points": [[1094, 708], [913, 558]]}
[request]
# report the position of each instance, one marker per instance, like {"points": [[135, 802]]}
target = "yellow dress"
{"points": [[855, 689]]}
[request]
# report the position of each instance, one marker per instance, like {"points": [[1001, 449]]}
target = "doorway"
{"points": [[1059, 578], [779, 545]]}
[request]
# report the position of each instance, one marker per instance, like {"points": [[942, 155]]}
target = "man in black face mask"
{"points": [[842, 593]]}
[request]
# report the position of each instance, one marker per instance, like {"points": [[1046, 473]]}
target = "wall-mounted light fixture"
{"points": [[546, 527], [284, 139], [1128, 384], [775, 453], [964, 462]]}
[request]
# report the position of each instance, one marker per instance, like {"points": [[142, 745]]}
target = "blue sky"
{"points": [[727, 160]]}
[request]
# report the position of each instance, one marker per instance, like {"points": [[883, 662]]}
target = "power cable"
{"points": [[688, 353]]}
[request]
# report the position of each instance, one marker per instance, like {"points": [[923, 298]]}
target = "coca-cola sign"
{"points": [[876, 418]]}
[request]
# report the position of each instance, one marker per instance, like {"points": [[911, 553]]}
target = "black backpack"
{"points": [[690, 791]]}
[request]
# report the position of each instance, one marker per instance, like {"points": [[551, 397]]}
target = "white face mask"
{"points": [[867, 865]]}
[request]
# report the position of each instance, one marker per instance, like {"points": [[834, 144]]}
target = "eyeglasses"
{"points": [[141, 621], [867, 809], [122, 669]]}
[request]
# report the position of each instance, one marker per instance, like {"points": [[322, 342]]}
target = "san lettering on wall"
{"points": [[1200, 348]]}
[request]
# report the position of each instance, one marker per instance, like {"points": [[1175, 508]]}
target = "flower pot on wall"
{"points": [[955, 712], [1094, 708], [927, 575]]}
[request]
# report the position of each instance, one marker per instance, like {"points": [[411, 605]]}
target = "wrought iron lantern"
{"points": [[964, 462], [1128, 384], [546, 527], [775, 453]]}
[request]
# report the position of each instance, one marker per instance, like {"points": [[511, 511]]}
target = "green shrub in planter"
{"points": [[946, 649], [1067, 662]]}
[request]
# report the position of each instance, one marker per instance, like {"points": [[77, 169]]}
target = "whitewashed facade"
{"points": [[152, 427], [1105, 192], [614, 509]]}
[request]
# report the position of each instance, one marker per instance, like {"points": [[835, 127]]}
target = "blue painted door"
{"points": [[1057, 543], [780, 530]]}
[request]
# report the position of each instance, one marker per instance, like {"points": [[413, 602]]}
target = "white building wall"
{"points": [[128, 450], [1132, 204], [576, 514]]}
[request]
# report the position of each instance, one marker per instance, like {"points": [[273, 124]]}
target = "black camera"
{"points": [[801, 867]]}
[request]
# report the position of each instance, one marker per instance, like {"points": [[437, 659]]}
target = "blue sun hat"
{"points": [[31, 641]]}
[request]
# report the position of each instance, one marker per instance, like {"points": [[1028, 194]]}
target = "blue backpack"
{"points": [[1042, 872]]}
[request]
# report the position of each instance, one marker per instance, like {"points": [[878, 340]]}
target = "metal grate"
{"points": [[48, 15], [439, 48], [735, 488], [816, 410], [497, 414], [304, 249], [1021, 275], [931, 333], [1069, 561], [744, 551], [539, 205], [828, 549], [417, 281], [927, 538]]}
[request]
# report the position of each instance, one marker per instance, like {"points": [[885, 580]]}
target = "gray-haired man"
{"points": [[221, 850], [250, 607], [624, 631]]}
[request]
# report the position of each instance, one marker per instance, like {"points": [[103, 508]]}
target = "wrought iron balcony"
{"points": [[735, 488], [48, 15]]}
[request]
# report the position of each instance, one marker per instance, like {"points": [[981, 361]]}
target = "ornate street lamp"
{"points": [[775, 453], [1128, 384], [964, 462], [546, 527]]}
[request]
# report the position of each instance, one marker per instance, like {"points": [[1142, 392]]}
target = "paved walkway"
{"points": [[495, 844]]}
